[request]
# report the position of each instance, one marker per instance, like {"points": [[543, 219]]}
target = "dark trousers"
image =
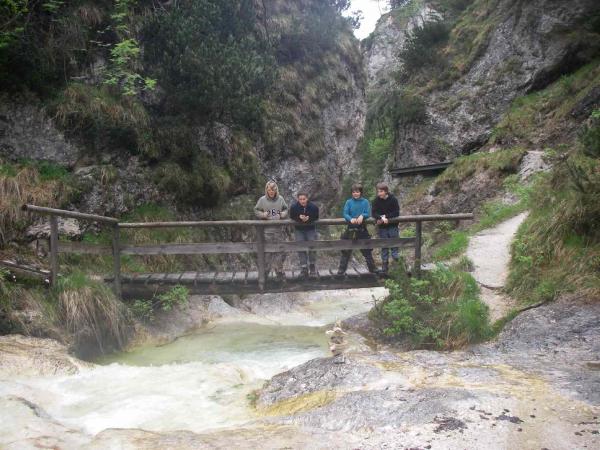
{"points": [[301, 235], [356, 233]]}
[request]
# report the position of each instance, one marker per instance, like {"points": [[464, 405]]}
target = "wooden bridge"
{"points": [[428, 169], [247, 281]]}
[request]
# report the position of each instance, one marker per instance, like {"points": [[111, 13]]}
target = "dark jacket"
{"points": [[311, 210], [388, 208]]}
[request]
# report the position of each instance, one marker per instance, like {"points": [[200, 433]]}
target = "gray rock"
{"points": [[525, 51], [29, 356], [532, 163], [26, 132], [68, 228], [320, 374]]}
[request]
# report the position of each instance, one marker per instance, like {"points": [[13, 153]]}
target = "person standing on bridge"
{"points": [[357, 210], [272, 206], [386, 207], [305, 213]]}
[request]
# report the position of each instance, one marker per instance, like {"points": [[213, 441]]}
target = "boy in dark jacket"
{"points": [[385, 207], [356, 211], [305, 213]]}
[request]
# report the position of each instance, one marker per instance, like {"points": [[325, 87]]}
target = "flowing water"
{"points": [[198, 382]]}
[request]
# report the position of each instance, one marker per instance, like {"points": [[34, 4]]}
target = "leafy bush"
{"points": [[442, 310], [144, 309], [225, 73]]}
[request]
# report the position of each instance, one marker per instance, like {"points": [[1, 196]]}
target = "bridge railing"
{"points": [[260, 247]]}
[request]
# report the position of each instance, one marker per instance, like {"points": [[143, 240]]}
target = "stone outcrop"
{"points": [[29, 356], [522, 51]]}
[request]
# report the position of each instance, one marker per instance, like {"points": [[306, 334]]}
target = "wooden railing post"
{"points": [[116, 252], [260, 256], [418, 243], [53, 250]]}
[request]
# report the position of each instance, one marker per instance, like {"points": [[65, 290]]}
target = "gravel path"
{"points": [[489, 250]]}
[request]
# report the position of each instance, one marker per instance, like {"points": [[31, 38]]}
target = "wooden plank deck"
{"points": [[244, 282]]}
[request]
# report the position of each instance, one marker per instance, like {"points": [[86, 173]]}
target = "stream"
{"points": [[201, 381]]}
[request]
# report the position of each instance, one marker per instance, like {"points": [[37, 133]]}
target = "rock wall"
{"points": [[328, 106], [527, 46]]}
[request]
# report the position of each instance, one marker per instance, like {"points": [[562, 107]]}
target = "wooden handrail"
{"points": [[71, 214], [283, 223]]}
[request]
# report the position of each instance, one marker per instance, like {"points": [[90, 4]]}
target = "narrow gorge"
{"points": [[162, 111]]}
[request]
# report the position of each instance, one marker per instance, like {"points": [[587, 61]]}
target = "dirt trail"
{"points": [[489, 250]]}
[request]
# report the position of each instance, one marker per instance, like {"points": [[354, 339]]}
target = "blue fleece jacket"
{"points": [[354, 208]]}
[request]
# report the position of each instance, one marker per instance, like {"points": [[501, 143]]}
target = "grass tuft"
{"points": [[98, 321]]}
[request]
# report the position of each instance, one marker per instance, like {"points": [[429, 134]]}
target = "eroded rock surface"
{"points": [[30, 356]]}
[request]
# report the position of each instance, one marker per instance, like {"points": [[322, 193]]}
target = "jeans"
{"points": [[301, 235], [274, 260], [391, 232]]}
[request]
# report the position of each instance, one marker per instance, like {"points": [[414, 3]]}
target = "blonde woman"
{"points": [[272, 206]]}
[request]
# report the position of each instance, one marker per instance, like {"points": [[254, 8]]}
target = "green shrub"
{"points": [[224, 75], [144, 309], [421, 49], [442, 310]]}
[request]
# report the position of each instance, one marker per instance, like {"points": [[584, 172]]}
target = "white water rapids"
{"points": [[198, 382]]}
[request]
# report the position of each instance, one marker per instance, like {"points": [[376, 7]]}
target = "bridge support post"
{"points": [[53, 250], [116, 252], [260, 256], [418, 243]]}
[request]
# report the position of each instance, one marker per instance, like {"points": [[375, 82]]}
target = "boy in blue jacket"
{"points": [[356, 211]]}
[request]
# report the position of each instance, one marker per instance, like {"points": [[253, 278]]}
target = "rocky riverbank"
{"points": [[536, 386]]}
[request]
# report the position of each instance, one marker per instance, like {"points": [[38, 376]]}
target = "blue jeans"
{"points": [[301, 235], [383, 233]]}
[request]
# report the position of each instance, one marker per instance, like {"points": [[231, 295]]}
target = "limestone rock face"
{"points": [[26, 132], [29, 356], [524, 50]]}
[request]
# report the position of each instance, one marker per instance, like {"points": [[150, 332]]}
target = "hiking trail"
{"points": [[489, 250]]}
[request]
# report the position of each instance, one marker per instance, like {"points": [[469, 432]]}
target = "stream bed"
{"points": [[201, 381]]}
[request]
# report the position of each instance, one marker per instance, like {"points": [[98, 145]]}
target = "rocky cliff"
{"points": [[124, 151], [493, 53]]}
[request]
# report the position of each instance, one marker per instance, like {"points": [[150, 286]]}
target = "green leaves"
{"points": [[211, 58], [441, 310], [125, 56]]}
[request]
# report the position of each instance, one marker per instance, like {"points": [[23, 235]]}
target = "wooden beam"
{"points": [[286, 223], [82, 248], [260, 256], [418, 243], [53, 250], [339, 244], [53, 212], [191, 249], [116, 253]]}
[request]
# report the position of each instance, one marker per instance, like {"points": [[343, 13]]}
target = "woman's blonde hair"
{"points": [[271, 184]]}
